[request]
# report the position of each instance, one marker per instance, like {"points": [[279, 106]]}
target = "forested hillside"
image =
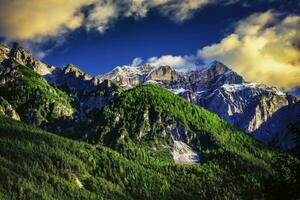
{"points": [[40, 165]]}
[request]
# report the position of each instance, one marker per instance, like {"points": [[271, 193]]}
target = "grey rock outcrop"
{"points": [[163, 73]]}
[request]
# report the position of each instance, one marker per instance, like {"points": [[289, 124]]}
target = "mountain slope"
{"points": [[39, 165], [150, 111], [148, 122]]}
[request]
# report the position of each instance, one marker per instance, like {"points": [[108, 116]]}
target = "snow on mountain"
{"points": [[126, 71], [131, 76], [127, 76], [257, 86], [178, 90]]}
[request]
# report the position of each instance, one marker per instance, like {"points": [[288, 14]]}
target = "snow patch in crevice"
{"points": [[178, 90], [183, 154], [152, 82]]}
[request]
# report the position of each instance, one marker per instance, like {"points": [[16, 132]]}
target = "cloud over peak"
{"points": [[180, 63], [263, 48]]}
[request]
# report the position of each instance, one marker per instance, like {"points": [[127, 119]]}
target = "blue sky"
{"points": [[154, 35], [257, 38]]}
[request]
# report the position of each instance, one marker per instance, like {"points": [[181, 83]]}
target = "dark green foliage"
{"points": [[39, 165]]}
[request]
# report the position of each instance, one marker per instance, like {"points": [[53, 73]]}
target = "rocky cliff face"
{"points": [[163, 73], [265, 112], [96, 98]]}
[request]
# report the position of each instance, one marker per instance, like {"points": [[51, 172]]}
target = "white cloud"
{"points": [[100, 17], [263, 48], [37, 20], [33, 22], [182, 10], [180, 63], [136, 62]]}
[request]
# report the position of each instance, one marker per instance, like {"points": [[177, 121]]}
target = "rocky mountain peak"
{"points": [[72, 69], [4, 50], [22, 56], [17, 49], [212, 76], [163, 73], [4, 47], [216, 69], [146, 68]]}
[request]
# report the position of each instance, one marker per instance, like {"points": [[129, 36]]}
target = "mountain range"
{"points": [[143, 132], [262, 111]]}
